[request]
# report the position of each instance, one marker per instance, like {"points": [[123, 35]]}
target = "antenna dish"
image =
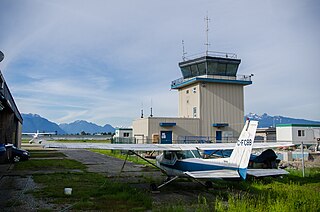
{"points": [[1, 56]]}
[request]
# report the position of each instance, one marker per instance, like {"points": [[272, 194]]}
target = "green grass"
{"points": [[26, 141], [82, 141], [91, 191], [46, 154], [118, 154], [290, 193], [49, 164]]}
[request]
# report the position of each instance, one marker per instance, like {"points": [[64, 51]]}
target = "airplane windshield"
{"points": [[187, 154]]}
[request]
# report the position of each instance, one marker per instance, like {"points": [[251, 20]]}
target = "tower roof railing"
{"points": [[211, 54], [239, 78]]}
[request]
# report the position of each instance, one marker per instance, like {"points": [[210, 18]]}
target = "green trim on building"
{"points": [[298, 125]]}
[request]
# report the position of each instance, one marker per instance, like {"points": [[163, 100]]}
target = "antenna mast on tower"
{"points": [[183, 52], [207, 34]]}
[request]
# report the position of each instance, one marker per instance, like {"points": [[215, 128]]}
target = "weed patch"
{"points": [[118, 154], [290, 193], [46, 154], [49, 164], [91, 191]]}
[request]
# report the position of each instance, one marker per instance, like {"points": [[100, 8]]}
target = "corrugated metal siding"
{"points": [[221, 103]]}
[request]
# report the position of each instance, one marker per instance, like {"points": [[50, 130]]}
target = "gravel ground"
{"points": [[15, 196]]}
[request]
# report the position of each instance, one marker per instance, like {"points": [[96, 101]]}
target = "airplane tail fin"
{"points": [[242, 151]]}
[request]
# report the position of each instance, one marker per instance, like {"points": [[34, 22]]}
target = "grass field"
{"points": [[46, 154], [83, 141], [117, 154], [24, 141], [92, 191], [49, 164], [290, 193]]}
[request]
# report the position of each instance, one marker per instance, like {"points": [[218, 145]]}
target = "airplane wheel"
{"points": [[208, 184], [153, 187]]}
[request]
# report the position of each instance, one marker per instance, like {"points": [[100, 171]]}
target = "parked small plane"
{"points": [[36, 136], [184, 160]]}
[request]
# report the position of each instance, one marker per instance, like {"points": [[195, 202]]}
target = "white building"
{"points": [[297, 133], [211, 103], [123, 135]]}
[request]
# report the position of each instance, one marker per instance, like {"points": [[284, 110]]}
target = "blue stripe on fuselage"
{"points": [[191, 166]]}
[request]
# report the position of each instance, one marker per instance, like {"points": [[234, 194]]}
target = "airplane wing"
{"points": [[132, 147], [266, 172], [48, 133], [161, 147], [234, 173], [213, 174]]}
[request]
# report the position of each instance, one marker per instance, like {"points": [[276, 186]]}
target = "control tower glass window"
{"points": [[202, 68], [186, 72], [231, 69], [194, 70]]}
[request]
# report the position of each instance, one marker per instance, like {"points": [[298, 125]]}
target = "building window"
{"points": [[300, 133], [187, 91], [194, 112], [194, 90], [126, 135]]}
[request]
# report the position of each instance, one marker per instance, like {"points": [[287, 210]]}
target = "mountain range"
{"points": [[34, 122], [266, 120]]}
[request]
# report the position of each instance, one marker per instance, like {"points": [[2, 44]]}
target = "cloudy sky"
{"points": [[103, 61]]}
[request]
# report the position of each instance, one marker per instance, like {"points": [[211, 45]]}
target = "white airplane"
{"points": [[184, 160], [36, 136]]}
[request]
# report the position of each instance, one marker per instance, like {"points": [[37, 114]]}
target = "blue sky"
{"points": [[102, 61]]}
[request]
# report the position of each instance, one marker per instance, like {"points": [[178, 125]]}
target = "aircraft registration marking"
{"points": [[244, 142]]}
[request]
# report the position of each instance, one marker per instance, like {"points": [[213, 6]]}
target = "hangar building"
{"points": [[10, 117], [211, 103]]}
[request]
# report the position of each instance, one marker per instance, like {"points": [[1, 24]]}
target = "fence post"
{"points": [[302, 158]]}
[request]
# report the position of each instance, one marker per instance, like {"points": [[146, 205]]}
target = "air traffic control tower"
{"points": [[211, 90]]}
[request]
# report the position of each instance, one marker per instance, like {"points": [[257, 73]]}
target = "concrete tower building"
{"points": [[211, 103], [211, 91]]}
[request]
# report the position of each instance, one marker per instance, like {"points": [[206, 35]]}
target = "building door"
{"points": [[166, 137], [218, 136]]}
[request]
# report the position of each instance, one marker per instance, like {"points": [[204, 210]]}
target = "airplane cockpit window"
{"points": [[196, 153], [187, 154], [168, 155]]}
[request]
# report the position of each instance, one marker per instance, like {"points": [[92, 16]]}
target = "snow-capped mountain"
{"points": [[34, 122], [266, 120]]}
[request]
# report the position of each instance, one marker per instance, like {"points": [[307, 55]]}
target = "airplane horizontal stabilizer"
{"points": [[266, 172], [213, 174]]}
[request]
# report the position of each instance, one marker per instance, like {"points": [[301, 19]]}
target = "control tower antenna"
{"points": [[151, 115], [183, 52], [141, 109], [207, 34]]}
